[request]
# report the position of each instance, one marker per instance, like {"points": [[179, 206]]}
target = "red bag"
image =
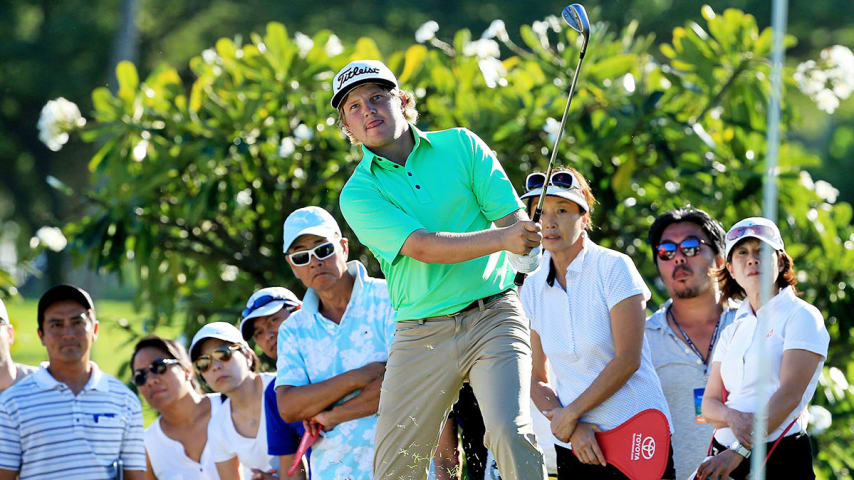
{"points": [[640, 446]]}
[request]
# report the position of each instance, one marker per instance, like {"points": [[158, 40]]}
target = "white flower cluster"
{"points": [[58, 118], [304, 43], [426, 32], [830, 80], [51, 237], [498, 30]]}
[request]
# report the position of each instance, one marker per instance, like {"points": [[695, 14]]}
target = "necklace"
{"points": [[690, 343]]}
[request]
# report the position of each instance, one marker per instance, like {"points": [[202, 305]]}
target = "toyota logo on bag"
{"points": [[642, 447]]}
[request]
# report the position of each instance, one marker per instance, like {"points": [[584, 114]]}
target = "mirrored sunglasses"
{"points": [[762, 231], [221, 354], [689, 247], [559, 179], [265, 300], [157, 367], [320, 252]]}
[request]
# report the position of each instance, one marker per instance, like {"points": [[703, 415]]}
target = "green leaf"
{"points": [[415, 56]]}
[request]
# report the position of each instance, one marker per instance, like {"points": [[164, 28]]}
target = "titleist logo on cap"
{"points": [[353, 72]]}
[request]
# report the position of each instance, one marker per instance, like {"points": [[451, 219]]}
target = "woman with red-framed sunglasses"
{"points": [[796, 344]]}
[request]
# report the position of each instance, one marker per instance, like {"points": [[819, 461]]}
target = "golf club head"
{"points": [[576, 17]]}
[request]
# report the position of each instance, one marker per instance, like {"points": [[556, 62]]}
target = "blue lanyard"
{"points": [[691, 344]]}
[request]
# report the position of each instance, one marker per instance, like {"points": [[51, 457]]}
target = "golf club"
{"points": [[576, 17]]}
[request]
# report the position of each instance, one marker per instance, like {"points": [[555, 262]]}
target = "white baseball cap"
{"points": [[309, 221], [570, 190], [221, 330], [754, 227], [266, 301], [358, 73]]}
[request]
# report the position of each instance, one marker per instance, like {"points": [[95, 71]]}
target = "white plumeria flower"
{"points": [[229, 273], [58, 117], [244, 197], [498, 30], [426, 32], [493, 71], [826, 100], [483, 48], [303, 133], [333, 46], [629, 82], [287, 147], [140, 150], [209, 55], [51, 237], [820, 419], [826, 191], [551, 128], [304, 43]]}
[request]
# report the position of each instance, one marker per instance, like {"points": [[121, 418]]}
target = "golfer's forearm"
{"points": [[448, 247], [780, 405], [615, 374]]}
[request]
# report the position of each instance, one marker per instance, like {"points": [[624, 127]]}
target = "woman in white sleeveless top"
{"points": [[176, 444], [227, 364]]}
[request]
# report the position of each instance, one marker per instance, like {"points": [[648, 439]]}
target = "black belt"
{"points": [[481, 301]]}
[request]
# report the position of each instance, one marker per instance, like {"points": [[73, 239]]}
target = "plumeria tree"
{"points": [[191, 182]]}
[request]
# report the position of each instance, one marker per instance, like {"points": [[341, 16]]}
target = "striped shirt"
{"points": [[48, 432]]}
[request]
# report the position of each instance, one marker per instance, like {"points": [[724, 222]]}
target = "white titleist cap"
{"points": [[562, 184], [358, 73], [754, 227], [309, 221]]}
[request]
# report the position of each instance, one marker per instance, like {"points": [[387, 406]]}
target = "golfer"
{"points": [[438, 212], [586, 305], [796, 342]]}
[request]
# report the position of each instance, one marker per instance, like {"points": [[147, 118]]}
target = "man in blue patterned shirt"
{"points": [[332, 352]]}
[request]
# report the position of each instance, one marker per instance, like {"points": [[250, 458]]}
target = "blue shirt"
{"points": [[312, 348], [282, 437]]}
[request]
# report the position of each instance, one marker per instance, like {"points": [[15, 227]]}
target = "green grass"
{"points": [[112, 349]]}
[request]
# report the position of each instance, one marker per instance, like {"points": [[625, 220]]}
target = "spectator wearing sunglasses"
{"points": [[69, 416], [687, 247], [796, 346], [586, 305], [440, 215], [332, 351], [177, 444], [265, 311], [10, 372], [230, 367]]}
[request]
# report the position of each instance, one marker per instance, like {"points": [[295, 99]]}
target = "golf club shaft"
{"points": [[520, 277]]}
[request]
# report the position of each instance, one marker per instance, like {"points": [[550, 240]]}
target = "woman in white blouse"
{"points": [[176, 444], [586, 304], [229, 366], [796, 346]]}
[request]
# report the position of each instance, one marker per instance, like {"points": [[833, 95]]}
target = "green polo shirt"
{"points": [[451, 182]]}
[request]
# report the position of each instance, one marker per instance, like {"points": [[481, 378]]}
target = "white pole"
{"points": [[769, 210]]}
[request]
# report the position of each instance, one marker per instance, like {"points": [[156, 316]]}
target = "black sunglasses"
{"points": [[265, 300], [538, 179], [690, 247], [321, 252], [157, 367], [222, 354]]}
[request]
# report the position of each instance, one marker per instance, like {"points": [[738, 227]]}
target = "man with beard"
{"points": [[687, 246]]}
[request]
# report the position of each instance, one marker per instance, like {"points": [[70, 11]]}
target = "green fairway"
{"points": [[118, 320]]}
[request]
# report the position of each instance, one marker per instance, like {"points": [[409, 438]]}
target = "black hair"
{"points": [[171, 348], [711, 227]]}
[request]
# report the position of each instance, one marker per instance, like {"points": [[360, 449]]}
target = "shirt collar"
{"points": [[97, 380], [369, 158], [658, 320], [311, 302], [577, 263]]}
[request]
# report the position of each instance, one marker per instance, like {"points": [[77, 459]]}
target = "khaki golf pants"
{"points": [[429, 360]]}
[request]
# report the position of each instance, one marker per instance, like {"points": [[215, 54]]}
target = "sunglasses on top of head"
{"points": [[157, 367], [221, 354], [320, 252], [690, 247], [265, 300], [758, 230], [559, 179]]}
